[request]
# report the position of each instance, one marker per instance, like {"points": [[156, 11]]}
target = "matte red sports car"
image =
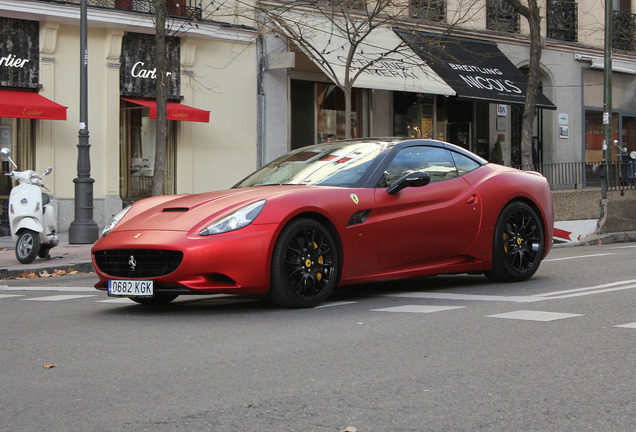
{"points": [[332, 214]]}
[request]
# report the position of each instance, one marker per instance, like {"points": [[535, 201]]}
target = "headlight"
{"points": [[237, 220], [115, 220]]}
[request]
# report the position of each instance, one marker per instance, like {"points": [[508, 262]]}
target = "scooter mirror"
{"points": [[48, 171], [6, 155], [633, 155]]}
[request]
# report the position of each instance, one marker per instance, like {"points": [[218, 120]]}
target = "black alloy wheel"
{"points": [[305, 265], [518, 244], [27, 246]]}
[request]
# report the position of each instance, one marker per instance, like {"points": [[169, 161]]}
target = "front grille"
{"points": [[137, 263]]}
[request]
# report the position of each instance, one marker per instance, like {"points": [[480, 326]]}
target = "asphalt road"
{"points": [[448, 353]]}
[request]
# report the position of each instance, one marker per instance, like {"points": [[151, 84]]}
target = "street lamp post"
{"points": [[83, 229], [607, 96]]}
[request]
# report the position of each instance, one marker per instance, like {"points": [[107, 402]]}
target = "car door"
{"points": [[423, 223]]}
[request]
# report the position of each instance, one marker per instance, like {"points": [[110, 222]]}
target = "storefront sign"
{"points": [[138, 73], [19, 53]]}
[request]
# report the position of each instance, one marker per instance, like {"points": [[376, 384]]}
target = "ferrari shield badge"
{"points": [[354, 198]]}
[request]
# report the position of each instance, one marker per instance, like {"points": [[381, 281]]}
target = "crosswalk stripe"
{"points": [[629, 326], [418, 309], [10, 295], [528, 315], [116, 300], [58, 297]]}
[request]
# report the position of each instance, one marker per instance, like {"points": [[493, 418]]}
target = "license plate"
{"points": [[131, 288]]}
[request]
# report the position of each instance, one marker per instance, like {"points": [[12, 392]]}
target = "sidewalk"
{"points": [[64, 256], [78, 256]]}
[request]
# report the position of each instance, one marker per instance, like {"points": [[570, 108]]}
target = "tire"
{"points": [[518, 244], [27, 246], [305, 265], [156, 300]]}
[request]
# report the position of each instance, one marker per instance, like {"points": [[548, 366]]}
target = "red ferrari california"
{"points": [[332, 214]]}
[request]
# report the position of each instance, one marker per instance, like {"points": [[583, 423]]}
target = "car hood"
{"points": [[185, 212]]}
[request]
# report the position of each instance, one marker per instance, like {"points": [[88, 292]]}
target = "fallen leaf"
{"points": [[28, 275], [350, 429], [49, 365]]}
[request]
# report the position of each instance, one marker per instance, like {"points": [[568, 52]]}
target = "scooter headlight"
{"points": [[115, 220]]}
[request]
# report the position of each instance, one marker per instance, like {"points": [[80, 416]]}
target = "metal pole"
{"points": [[607, 96], [83, 229]]}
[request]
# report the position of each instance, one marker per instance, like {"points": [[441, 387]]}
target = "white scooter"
{"points": [[32, 214]]}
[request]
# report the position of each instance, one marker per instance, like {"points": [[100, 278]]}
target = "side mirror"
{"points": [[414, 179], [633, 155], [48, 171]]}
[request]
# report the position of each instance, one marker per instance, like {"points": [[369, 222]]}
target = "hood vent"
{"points": [[175, 209]]}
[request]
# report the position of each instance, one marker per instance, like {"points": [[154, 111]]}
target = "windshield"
{"points": [[328, 164]]}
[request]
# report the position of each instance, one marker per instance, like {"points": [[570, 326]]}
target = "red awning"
{"points": [[28, 104], [176, 111]]}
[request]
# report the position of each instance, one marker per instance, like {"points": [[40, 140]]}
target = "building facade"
{"points": [[308, 107], [212, 108]]}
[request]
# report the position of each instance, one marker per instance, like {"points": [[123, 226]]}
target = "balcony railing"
{"points": [[432, 10], [501, 16], [624, 31], [562, 20], [175, 8], [581, 175]]}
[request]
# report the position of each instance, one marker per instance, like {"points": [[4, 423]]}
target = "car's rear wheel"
{"points": [[518, 244], [156, 300], [305, 265]]}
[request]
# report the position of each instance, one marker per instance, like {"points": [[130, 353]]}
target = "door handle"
{"points": [[473, 199]]}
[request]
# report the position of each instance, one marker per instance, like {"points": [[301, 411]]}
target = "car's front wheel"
{"points": [[305, 265], [518, 244]]}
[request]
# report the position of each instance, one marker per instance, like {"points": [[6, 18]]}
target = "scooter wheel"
{"points": [[27, 246]]}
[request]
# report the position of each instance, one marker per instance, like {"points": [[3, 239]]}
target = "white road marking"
{"points": [[116, 300], [629, 326], [10, 295], [528, 315], [36, 288], [554, 295], [577, 257], [467, 297], [418, 309], [340, 303], [58, 297]]}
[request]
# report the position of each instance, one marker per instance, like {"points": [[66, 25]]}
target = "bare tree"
{"points": [[532, 13], [348, 27], [162, 98]]}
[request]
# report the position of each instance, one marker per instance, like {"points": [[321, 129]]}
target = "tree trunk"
{"points": [[532, 14], [162, 99], [347, 94]]}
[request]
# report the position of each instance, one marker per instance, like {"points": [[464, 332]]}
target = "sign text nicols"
{"points": [[19, 53], [138, 74]]}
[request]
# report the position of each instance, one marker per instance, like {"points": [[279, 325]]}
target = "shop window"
{"points": [[331, 122], [413, 115], [137, 152], [18, 135], [594, 135]]}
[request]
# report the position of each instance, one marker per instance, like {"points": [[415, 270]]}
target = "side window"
{"points": [[435, 161], [464, 164]]}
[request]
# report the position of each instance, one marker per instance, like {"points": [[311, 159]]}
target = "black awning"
{"points": [[476, 70]]}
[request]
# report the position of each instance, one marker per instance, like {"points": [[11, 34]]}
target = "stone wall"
{"points": [[617, 213]]}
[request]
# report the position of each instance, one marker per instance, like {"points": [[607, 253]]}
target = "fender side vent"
{"points": [[359, 217]]}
